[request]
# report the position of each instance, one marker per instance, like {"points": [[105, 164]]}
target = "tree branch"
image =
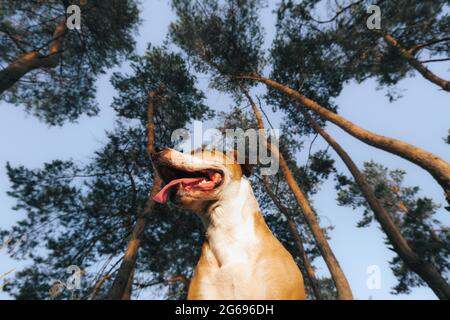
{"points": [[424, 71], [435, 60], [416, 48], [337, 13], [33, 60]]}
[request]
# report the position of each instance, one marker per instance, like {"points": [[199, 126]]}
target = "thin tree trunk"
{"points": [[129, 288], [98, 286], [416, 64], [33, 60], [436, 166], [124, 277], [308, 272], [342, 286], [424, 269], [3, 275]]}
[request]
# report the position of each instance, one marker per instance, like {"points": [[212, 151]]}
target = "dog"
{"points": [[240, 259]]}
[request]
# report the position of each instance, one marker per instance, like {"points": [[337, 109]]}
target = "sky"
{"points": [[421, 117]]}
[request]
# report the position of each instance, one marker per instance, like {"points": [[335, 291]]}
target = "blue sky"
{"points": [[421, 117]]}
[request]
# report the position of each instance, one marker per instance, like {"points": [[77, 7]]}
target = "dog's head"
{"points": [[196, 180]]}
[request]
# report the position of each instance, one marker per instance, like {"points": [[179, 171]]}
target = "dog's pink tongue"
{"points": [[163, 195]]}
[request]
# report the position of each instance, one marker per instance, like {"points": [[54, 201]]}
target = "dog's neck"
{"points": [[231, 224]]}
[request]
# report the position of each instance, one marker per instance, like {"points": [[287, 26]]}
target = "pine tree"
{"points": [[50, 69]]}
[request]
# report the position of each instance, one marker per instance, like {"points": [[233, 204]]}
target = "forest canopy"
{"points": [[98, 214]]}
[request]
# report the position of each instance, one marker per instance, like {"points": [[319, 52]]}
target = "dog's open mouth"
{"points": [[201, 180]]}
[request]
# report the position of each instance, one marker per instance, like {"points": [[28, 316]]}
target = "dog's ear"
{"points": [[246, 167]]}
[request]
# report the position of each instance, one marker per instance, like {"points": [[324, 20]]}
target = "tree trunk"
{"points": [[124, 277], [17, 69], [33, 60], [416, 64], [342, 286], [98, 286], [308, 272], [129, 288], [436, 166], [424, 269]]}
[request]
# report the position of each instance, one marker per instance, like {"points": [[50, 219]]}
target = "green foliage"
{"points": [[304, 59], [344, 48], [413, 215], [317, 55], [60, 94], [223, 38], [177, 99], [83, 214], [327, 289]]}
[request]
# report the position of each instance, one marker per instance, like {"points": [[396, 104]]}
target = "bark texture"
{"points": [[33, 60], [416, 64], [122, 285]]}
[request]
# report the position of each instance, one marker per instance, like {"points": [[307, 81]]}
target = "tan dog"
{"points": [[241, 259]]}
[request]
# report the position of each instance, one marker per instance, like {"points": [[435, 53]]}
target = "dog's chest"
{"points": [[229, 269], [230, 281]]}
